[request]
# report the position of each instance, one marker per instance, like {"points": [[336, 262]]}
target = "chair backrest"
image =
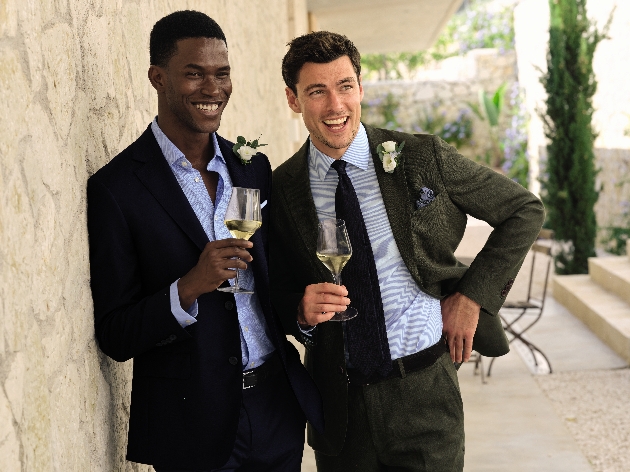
{"points": [[543, 245]]}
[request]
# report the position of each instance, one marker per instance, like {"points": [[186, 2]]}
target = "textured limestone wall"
{"points": [[73, 93], [453, 84]]}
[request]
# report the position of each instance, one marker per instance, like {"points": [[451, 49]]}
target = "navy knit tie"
{"points": [[366, 334]]}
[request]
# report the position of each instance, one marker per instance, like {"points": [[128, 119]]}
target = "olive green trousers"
{"points": [[415, 423]]}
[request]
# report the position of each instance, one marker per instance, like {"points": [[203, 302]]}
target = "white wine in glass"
{"points": [[334, 251], [242, 219]]}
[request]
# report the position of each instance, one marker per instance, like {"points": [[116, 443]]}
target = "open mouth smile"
{"points": [[207, 108], [337, 123]]}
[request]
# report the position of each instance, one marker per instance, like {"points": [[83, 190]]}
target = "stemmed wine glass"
{"points": [[334, 251], [242, 219]]}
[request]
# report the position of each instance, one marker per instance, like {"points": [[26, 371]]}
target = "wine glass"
{"points": [[242, 219], [334, 251]]}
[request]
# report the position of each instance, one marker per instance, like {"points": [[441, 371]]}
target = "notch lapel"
{"points": [[395, 195], [299, 200], [158, 178]]}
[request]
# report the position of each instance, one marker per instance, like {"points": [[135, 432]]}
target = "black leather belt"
{"points": [[404, 365], [254, 377]]}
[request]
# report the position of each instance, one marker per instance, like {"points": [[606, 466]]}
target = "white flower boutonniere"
{"points": [[389, 152], [245, 150]]}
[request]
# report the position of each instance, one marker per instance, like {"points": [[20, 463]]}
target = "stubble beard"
{"points": [[322, 139]]}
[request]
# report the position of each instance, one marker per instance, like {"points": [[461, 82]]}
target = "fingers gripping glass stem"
{"points": [[242, 219], [334, 251]]}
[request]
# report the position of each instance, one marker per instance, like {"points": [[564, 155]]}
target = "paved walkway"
{"points": [[512, 422]]}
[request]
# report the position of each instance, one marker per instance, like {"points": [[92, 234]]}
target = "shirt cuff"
{"points": [[307, 332], [183, 317]]}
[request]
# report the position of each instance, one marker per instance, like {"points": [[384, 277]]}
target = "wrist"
{"points": [[302, 323], [186, 295]]}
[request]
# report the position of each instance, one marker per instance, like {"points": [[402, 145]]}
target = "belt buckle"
{"points": [[247, 375]]}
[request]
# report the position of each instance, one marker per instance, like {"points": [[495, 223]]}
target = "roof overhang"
{"points": [[376, 26]]}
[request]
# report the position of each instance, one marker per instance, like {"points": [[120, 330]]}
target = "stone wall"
{"points": [[74, 93], [613, 180], [453, 83]]}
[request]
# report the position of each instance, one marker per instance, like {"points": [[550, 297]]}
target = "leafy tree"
{"points": [[570, 193]]}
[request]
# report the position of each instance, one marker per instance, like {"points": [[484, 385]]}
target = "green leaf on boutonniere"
{"points": [[241, 140]]}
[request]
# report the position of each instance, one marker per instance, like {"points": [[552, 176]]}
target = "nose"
{"points": [[334, 101], [209, 86]]}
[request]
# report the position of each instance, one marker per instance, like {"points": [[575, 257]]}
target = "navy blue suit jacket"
{"points": [[187, 383]]}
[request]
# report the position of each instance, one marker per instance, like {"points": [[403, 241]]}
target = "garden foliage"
{"points": [[569, 183]]}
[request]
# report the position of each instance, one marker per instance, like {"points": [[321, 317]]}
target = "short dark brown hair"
{"points": [[319, 47]]}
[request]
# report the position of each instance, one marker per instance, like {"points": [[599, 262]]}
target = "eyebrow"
{"points": [[342, 81], [198, 67]]}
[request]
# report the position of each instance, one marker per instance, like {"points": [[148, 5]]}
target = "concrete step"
{"points": [[606, 314], [612, 274]]}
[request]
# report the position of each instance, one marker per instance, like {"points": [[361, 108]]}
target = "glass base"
{"points": [[235, 290], [345, 315]]}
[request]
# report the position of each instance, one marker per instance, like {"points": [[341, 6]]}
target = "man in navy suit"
{"points": [[216, 385]]}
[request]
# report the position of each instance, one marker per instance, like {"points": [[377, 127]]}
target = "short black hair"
{"points": [[319, 47], [180, 25]]}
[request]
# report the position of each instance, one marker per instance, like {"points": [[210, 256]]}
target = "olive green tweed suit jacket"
{"points": [[426, 238]]}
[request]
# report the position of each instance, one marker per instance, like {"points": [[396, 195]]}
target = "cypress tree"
{"points": [[569, 183]]}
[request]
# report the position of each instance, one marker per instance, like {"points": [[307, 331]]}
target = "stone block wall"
{"points": [[453, 83], [74, 92]]}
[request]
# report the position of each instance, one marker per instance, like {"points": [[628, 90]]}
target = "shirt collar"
{"points": [[172, 153], [357, 154]]}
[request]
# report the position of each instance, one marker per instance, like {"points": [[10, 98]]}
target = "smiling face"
{"points": [[193, 89], [329, 97]]}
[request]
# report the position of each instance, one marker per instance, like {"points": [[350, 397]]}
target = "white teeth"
{"points": [[336, 122], [207, 107]]}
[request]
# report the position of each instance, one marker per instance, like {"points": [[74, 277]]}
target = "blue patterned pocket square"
{"points": [[426, 197]]}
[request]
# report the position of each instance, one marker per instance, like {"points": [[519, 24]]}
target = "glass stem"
{"points": [[337, 279], [236, 279]]}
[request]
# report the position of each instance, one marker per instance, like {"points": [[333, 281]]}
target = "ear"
{"points": [[361, 86], [157, 77], [292, 100]]}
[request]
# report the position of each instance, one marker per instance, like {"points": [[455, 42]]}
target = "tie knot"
{"points": [[339, 166]]}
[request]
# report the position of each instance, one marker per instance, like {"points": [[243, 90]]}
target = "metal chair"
{"points": [[533, 305]]}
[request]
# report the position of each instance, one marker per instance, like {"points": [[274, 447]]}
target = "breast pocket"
{"points": [[436, 229]]}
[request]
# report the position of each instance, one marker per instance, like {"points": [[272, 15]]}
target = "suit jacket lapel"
{"points": [[299, 198], [395, 196], [158, 178]]}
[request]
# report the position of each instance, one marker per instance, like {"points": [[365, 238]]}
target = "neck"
{"points": [[197, 147]]}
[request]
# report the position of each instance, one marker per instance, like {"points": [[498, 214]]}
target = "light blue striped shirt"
{"points": [[413, 319], [255, 344]]}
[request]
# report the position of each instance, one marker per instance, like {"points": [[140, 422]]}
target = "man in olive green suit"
{"points": [[388, 377]]}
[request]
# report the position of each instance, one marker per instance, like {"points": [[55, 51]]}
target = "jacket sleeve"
{"points": [[127, 322], [515, 214]]}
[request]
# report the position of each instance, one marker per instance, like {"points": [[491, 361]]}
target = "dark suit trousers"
{"points": [[410, 424], [270, 434]]}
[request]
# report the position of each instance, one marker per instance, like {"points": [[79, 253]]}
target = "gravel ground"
{"points": [[595, 406]]}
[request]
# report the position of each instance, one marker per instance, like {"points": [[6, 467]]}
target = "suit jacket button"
{"points": [[233, 360], [228, 305]]}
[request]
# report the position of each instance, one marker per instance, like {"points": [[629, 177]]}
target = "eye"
{"points": [[193, 74], [316, 92]]}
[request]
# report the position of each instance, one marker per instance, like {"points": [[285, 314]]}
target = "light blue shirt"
{"points": [[256, 346], [413, 319]]}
